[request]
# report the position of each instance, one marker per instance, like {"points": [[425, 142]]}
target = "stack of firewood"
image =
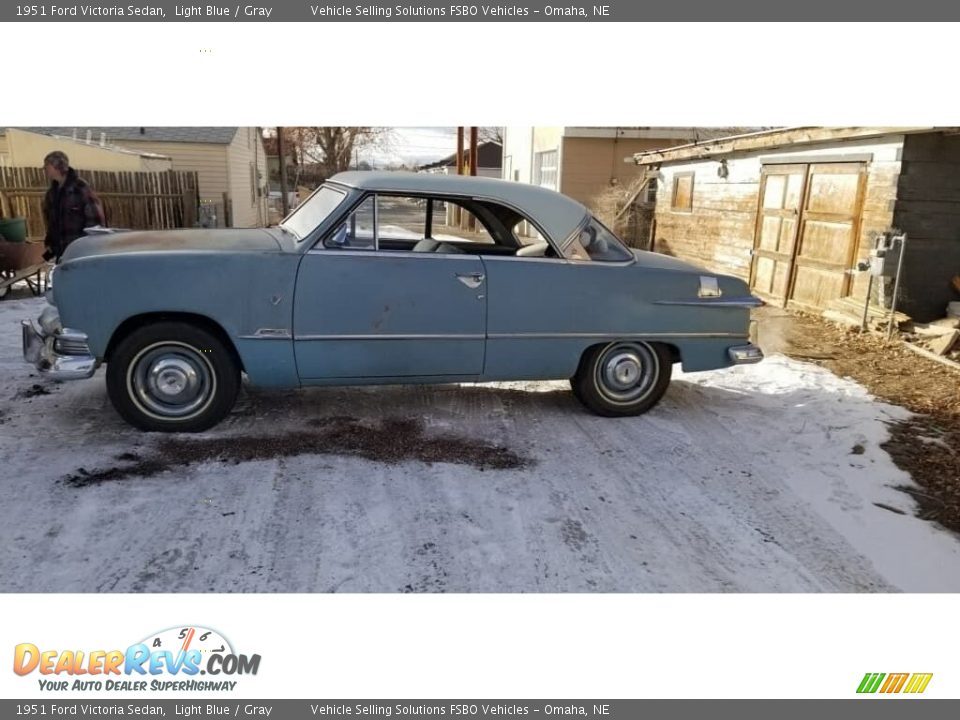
{"points": [[941, 337]]}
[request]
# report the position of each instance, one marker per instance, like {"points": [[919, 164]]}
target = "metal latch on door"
{"points": [[471, 280]]}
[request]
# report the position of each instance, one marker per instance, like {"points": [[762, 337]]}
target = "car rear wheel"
{"points": [[172, 377], [622, 378]]}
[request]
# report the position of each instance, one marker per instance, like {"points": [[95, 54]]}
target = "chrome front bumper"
{"points": [[61, 356], [745, 354]]}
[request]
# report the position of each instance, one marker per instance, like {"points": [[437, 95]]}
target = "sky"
{"points": [[412, 146]]}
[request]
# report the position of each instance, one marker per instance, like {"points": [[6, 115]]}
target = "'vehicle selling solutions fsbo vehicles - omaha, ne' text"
{"points": [[384, 278]]}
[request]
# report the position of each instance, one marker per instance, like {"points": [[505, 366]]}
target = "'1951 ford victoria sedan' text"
{"points": [[385, 278]]}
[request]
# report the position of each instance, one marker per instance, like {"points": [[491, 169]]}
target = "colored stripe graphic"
{"points": [[918, 683], [895, 682], [870, 682]]}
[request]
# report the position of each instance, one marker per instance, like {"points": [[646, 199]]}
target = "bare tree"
{"points": [[491, 134], [334, 148]]}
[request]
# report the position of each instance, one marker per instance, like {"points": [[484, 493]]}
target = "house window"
{"points": [[682, 200], [253, 185], [651, 192], [545, 169]]}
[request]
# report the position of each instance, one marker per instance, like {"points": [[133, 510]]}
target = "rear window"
{"points": [[595, 242]]}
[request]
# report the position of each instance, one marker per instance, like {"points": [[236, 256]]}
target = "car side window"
{"points": [[401, 218], [452, 221], [358, 231], [396, 223]]}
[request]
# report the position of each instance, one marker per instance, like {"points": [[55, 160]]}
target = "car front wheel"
{"points": [[172, 377], [622, 378]]}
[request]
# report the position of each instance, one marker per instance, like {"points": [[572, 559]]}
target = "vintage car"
{"points": [[384, 278]]}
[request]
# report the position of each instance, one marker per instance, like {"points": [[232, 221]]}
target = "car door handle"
{"points": [[471, 280]]}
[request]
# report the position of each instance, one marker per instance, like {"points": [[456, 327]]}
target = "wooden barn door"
{"points": [[829, 226], [781, 197], [806, 234]]}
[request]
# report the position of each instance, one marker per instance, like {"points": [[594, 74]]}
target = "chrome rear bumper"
{"points": [[745, 354], [61, 356]]}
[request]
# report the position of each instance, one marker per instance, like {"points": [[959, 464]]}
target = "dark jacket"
{"points": [[68, 208]]}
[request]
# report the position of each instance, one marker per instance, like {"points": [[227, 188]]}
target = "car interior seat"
{"points": [[538, 249], [426, 245]]}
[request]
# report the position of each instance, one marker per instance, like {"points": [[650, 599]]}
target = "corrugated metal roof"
{"points": [[214, 135]]}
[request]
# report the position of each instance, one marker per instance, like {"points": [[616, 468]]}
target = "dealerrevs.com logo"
{"points": [[172, 659]]}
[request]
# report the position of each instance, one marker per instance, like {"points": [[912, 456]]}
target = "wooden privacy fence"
{"points": [[138, 200]]}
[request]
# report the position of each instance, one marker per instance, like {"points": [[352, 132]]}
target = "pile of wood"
{"points": [[940, 338]]}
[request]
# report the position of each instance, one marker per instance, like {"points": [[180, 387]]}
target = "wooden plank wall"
{"points": [[928, 210], [718, 234], [877, 215], [138, 200]]}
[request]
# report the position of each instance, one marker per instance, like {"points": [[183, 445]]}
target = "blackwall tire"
{"points": [[623, 378], [172, 377]]}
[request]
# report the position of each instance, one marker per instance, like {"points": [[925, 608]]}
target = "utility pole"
{"points": [[284, 200], [456, 208], [472, 222], [473, 150]]}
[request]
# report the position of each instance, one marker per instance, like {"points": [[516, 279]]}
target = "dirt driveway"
{"points": [[762, 478], [927, 444]]}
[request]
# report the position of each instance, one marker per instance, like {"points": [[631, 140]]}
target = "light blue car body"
{"points": [[299, 313]]}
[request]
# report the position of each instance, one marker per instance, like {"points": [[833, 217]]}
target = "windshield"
{"points": [[313, 211]]}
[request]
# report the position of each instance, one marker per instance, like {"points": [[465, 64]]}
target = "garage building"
{"points": [[793, 210]]}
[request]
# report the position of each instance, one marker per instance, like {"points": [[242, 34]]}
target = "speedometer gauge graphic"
{"points": [[183, 639]]}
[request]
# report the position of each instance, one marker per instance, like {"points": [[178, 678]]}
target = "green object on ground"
{"points": [[13, 229]]}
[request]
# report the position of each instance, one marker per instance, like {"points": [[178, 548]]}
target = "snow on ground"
{"points": [[748, 479]]}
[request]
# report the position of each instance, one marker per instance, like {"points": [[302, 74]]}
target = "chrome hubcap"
{"points": [[173, 377], [171, 380], [622, 371], [627, 372]]}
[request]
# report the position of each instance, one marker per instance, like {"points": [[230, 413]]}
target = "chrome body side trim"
{"points": [[384, 336], [268, 334], [747, 301], [517, 336], [607, 336]]}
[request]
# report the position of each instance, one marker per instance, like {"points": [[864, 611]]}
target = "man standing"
{"points": [[69, 206]]}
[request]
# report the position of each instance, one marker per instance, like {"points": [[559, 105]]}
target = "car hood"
{"points": [[666, 262], [190, 240]]}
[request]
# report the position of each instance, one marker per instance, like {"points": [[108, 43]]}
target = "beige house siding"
{"points": [[249, 205], [520, 145], [4, 151], [588, 165], [588, 157], [207, 159], [28, 149]]}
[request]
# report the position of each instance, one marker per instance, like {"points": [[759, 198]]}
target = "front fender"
{"points": [[243, 293]]}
